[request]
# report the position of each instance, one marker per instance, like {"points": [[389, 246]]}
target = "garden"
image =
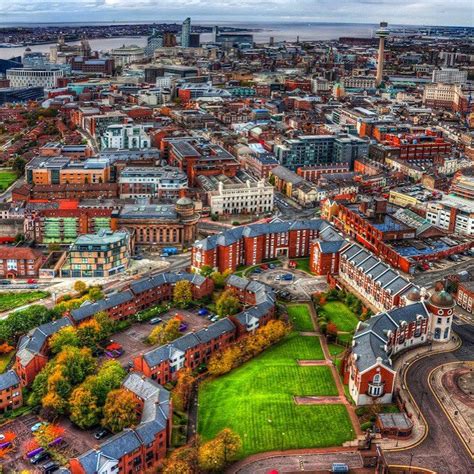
{"points": [[12, 300], [256, 401], [7, 178]]}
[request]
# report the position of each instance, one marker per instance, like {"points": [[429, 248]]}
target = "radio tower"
{"points": [[382, 33]]}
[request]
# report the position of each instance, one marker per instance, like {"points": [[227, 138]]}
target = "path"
{"points": [[319, 400], [442, 449], [335, 374]]}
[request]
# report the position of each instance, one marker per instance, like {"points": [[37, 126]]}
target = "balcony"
{"points": [[375, 389]]}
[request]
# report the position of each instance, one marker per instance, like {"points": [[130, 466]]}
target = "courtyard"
{"points": [[257, 400]]}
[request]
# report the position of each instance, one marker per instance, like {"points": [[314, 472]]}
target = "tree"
{"points": [[106, 324], [273, 331], [109, 377], [89, 333], [80, 286], [227, 304], [182, 461], [47, 434], [183, 389], [331, 330], [220, 278], [165, 333], [206, 270], [76, 364], [222, 362], [217, 453], [66, 336], [183, 293], [84, 409], [18, 165], [119, 410], [95, 293]]}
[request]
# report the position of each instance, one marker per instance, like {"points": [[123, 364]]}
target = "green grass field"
{"points": [[13, 300], [7, 177], [303, 264], [256, 401], [300, 317], [339, 314]]}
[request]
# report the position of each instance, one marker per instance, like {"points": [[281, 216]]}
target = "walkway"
{"points": [[319, 400], [335, 374]]}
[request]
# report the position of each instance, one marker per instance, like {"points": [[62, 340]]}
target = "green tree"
{"points": [[18, 165], [95, 293], [106, 324], [109, 377], [119, 410], [182, 293], [227, 304], [84, 409], [66, 336], [88, 333], [206, 270]]}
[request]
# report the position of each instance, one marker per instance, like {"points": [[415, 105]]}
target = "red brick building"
{"points": [[255, 243], [19, 262], [11, 396], [465, 296], [418, 147]]}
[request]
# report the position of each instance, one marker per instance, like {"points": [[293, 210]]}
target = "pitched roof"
{"points": [[8, 379]]}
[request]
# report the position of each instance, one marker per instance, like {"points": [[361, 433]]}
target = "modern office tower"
{"points": [[382, 33], [155, 40], [186, 33], [449, 76]]}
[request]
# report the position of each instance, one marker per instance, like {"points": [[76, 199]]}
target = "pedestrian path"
{"points": [[319, 400]]}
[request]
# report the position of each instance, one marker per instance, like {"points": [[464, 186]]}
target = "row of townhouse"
{"points": [[361, 271], [163, 363], [252, 244]]}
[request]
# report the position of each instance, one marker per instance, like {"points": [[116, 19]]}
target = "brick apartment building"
{"points": [[19, 262]]}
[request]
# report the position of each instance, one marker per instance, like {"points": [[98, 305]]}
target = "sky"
{"points": [[419, 12]]}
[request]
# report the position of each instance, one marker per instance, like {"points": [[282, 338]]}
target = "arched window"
{"points": [[377, 378], [437, 333]]}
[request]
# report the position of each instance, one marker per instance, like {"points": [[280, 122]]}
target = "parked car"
{"points": [[215, 318], [31, 281], [137, 257], [271, 266], [264, 266], [50, 467], [203, 312], [155, 321], [278, 277], [38, 425], [101, 433], [339, 467], [2, 436], [257, 270], [183, 327], [40, 457]]}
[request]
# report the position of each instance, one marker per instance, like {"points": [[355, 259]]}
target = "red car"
{"points": [[264, 266], [31, 281]]}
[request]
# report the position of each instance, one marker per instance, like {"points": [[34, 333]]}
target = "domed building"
{"points": [[441, 306]]}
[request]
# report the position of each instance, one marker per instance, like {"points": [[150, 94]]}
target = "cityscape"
{"points": [[236, 247]]}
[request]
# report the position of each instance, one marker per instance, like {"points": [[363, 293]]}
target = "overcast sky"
{"points": [[432, 12]]}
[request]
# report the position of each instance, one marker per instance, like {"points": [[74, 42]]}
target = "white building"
{"points": [[449, 76], [452, 213], [320, 84], [30, 77], [127, 55], [126, 137], [250, 197], [443, 95], [358, 82]]}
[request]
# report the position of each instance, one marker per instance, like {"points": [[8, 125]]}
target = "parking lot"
{"points": [[299, 288], [132, 340]]}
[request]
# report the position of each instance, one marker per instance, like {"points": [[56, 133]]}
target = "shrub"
{"points": [[366, 426]]}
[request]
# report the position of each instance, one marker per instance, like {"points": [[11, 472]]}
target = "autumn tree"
{"points": [[47, 434], [165, 333], [227, 304], [222, 362], [182, 461], [95, 293], [106, 324], [217, 453], [331, 330], [84, 409], [273, 331], [183, 389], [109, 377], [220, 278], [182, 293], [88, 333], [119, 410], [80, 286], [66, 336]]}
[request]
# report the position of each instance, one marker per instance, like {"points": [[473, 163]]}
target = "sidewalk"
{"points": [[401, 365]]}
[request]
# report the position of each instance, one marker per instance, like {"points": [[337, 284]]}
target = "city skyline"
{"points": [[424, 12]]}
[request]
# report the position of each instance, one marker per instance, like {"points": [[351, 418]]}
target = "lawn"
{"points": [[7, 177], [303, 264], [13, 300], [256, 401], [339, 314], [300, 317], [296, 347]]}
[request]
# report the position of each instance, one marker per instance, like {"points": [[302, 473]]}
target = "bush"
{"points": [[366, 426], [361, 411]]}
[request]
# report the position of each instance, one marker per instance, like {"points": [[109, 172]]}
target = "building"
{"points": [[98, 255], [252, 244], [465, 296], [51, 170], [20, 94], [32, 77], [127, 54], [160, 224], [155, 40], [360, 271], [315, 150], [165, 182], [413, 147], [126, 136], [449, 76], [242, 195], [144, 446], [19, 262], [382, 33], [186, 33], [446, 96], [294, 186], [358, 82], [369, 370], [11, 396], [452, 213]]}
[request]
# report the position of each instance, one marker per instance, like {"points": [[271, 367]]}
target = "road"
{"points": [[442, 450], [427, 279]]}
